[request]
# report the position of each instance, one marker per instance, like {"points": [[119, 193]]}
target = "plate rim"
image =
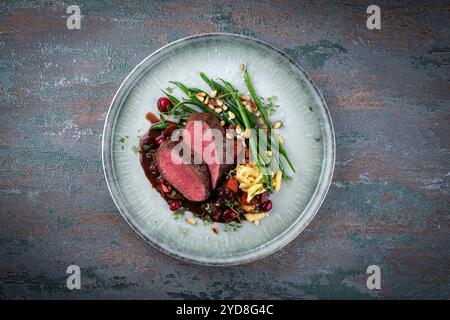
{"points": [[288, 235]]}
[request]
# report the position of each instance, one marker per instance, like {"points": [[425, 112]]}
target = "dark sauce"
{"points": [[208, 210], [212, 209]]}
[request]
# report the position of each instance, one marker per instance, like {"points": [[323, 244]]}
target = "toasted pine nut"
{"points": [[247, 133], [242, 66], [231, 115], [219, 102], [222, 123], [213, 94], [277, 125], [206, 100], [218, 110], [191, 221]]}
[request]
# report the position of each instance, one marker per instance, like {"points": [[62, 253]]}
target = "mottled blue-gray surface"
{"points": [[388, 92]]}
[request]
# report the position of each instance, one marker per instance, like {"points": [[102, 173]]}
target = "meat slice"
{"points": [[205, 143], [191, 180]]}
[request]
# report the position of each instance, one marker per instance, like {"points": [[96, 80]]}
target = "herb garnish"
{"points": [[231, 227], [178, 214], [271, 105], [145, 147], [136, 149], [170, 89], [206, 219]]}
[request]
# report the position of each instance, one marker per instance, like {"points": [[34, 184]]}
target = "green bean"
{"points": [[159, 126], [194, 100], [252, 141], [250, 117], [220, 89], [176, 102], [264, 114]]}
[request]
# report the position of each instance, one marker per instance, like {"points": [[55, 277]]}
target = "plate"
{"points": [[307, 131]]}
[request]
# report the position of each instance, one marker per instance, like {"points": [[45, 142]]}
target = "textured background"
{"points": [[388, 92]]}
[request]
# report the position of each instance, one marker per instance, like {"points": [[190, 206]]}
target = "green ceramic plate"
{"points": [[308, 135]]}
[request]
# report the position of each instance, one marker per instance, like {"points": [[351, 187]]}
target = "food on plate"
{"points": [[215, 152]]}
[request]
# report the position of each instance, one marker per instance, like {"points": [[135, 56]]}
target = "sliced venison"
{"points": [[212, 151], [191, 180]]}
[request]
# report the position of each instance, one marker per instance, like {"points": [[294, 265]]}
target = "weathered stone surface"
{"points": [[388, 92]]}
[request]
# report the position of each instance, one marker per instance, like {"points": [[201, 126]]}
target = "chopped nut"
{"points": [[199, 98], [213, 94], [201, 94], [277, 125], [191, 221], [229, 135], [269, 153], [247, 133], [242, 66], [214, 229], [222, 123], [249, 108], [231, 115], [238, 129], [244, 102], [219, 102], [224, 107], [206, 100], [261, 119], [218, 110], [246, 98], [211, 106]]}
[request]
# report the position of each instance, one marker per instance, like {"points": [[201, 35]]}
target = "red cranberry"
{"points": [[164, 104], [160, 140], [148, 141], [174, 205], [229, 214], [226, 193], [266, 206], [263, 197]]}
